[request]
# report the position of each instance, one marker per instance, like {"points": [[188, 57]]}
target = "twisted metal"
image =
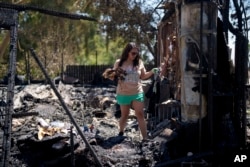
{"points": [[45, 11]]}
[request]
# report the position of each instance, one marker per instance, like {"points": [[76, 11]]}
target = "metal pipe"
{"points": [[65, 106]]}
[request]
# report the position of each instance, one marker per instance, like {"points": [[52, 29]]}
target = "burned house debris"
{"points": [[196, 108], [192, 42]]}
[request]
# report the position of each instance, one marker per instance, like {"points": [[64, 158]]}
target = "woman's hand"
{"points": [[155, 70]]}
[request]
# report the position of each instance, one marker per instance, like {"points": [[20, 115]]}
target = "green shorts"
{"points": [[127, 99]]}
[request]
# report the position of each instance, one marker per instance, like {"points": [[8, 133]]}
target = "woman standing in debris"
{"points": [[129, 89]]}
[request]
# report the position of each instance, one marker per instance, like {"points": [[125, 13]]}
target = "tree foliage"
{"points": [[60, 41], [131, 20]]}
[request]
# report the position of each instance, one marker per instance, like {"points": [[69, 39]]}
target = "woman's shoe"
{"points": [[120, 134]]}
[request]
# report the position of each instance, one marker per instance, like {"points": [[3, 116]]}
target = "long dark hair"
{"points": [[126, 51]]}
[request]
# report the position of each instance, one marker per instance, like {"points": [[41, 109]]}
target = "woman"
{"points": [[129, 88]]}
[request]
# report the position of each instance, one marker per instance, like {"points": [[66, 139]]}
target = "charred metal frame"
{"points": [[20, 8], [9, 21], [64, 105], [239, 88]]}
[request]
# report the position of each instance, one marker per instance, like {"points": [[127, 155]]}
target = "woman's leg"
{"points": [[124, 116], [138, 107]]}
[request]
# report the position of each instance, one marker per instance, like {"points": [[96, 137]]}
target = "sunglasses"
{"points": [[134, 53]]}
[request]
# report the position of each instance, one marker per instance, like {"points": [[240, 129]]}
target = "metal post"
{"points": [[79, 130], [200, 72], [72, 146], [10, 89]]}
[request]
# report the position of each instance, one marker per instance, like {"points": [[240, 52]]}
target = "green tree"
{"points": [[131, 20], [59, 41]]}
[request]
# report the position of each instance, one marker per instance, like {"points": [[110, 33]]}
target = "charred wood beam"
{"points": [[10, 90], [200, 74], [24, 114], [79, 130], [45, 11], [241, 75], [72, 147]]}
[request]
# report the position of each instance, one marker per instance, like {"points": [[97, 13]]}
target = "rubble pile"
{"points": [[43, 134]]}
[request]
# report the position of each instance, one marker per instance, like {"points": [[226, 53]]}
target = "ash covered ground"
{"points": [[44, 135]]}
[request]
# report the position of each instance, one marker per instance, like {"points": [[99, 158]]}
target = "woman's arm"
{"points": [[116, 64], [111, 73], [146, 74]]}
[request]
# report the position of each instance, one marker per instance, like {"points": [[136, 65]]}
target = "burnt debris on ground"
{"points": [[43, 133]]}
